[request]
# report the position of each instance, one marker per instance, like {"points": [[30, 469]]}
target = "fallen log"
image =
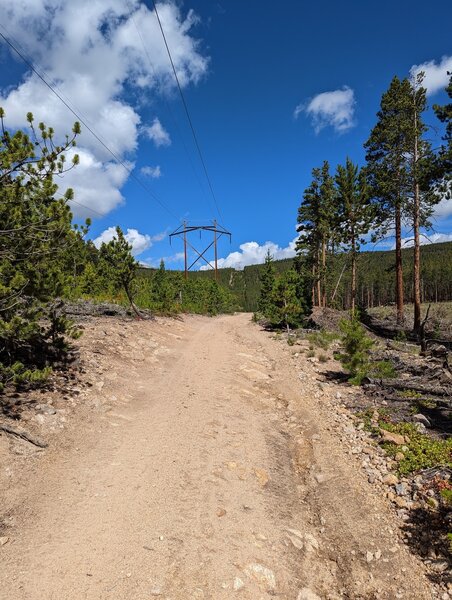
{"points": [[403, 384], [24, 435]]}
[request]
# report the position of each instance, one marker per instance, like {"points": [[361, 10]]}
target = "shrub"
{"points": [[423, 451], [356, 346], [383, 369]]}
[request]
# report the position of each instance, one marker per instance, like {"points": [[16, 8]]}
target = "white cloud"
{"points": [[158, 237], [157, 133], [92, 53], [434, 238], [97, 184], [252, 253], [139, 241], [153, 172], [444, 208], [155, 262], [335, 109], [436, 77]]}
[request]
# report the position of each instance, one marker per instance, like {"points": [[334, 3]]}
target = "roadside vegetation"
{"points": [[46, 259]]}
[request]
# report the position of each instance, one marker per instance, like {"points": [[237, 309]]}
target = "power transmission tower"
{"points": [[185, 229]]}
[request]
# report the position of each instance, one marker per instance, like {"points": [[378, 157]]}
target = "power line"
{"points": [[187, 111], [168, 107], [115, 156]]}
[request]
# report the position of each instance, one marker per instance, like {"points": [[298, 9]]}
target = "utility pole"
{"points": [[185, 251], [185, 229], [216, 251]]}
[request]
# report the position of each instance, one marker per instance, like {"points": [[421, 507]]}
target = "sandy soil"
{"points": [[200, 463]]}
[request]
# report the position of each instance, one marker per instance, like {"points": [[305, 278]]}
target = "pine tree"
{"points": [[267, 283], [354, 211], [287, 307], [444, 158], [35, 235], [388, 172], [119, 265], [163, 290], [423, 197], [316, 226]]}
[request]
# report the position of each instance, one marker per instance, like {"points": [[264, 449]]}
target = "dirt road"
{"points": [[204, 467]]}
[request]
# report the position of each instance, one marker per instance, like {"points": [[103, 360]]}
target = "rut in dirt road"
{"points": [[210, 476]]}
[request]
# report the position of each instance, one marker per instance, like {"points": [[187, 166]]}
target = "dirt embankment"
{"points": [[197, 459]]}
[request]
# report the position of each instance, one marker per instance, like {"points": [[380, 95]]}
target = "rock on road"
{"points": [[209, 472]]}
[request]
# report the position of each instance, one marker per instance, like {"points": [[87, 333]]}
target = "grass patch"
{"points": [[323, 358], [322, 339]]}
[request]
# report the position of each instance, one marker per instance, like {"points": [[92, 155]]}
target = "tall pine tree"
{"points": [[388, 172], [316, 226], [355, 213], [267, 281], [422, 198]]}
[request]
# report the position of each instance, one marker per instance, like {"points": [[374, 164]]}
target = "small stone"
{"points": [[221, 512], [439, 565], [393, 438], [262, 476], [238, 584], [420, 418], [369, 556], [263, 575], [420, 427], [390, 479], [378, 555], [4, 540], [401, 502], [296, 540], [399, 456], [307, 594], [310, 543], [401, 489], [156, 591]]}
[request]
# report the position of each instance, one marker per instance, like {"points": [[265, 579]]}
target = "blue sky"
{"points": [[273, 90]]}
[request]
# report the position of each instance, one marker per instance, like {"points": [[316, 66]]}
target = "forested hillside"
{"points": [[375, 284]]}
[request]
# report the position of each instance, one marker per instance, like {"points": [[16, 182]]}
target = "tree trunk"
{"points": [[353, 299], [399, 267], [319, 285], [132, 303], [417, 263], [313, 285], [417, 246], [324, 273]]}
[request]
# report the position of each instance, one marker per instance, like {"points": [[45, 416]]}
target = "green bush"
{"points": [[383, 369], [423, 451], [356, 346]]}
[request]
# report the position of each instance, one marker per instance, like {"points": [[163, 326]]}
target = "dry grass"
{"points": [[440, 316]]}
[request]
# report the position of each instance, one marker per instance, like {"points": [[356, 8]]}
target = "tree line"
{"points": [[396, 190]]}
